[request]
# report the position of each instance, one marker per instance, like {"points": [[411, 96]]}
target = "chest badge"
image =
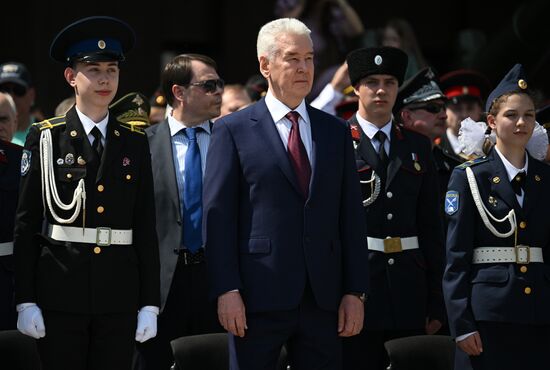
{"points": [[125, 161], [451, 202], [417, 165], [69, 159], [59, 161], [81, 161], [492, 201]]}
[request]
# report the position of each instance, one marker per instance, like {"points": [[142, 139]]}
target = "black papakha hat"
{"points": [[381, 60], [93, 39]]}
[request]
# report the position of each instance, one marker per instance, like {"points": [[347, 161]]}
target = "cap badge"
{"points": [[138, 100], [522, 84], [378, 60], [101, 44], [465, 90], [9, 68]]}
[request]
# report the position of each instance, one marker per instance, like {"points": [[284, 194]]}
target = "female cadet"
{"points": [[497, 281]]}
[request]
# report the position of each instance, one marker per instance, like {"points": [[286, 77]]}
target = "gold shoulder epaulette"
{"points": [[472, 162], [132, 128], [51, 122]]}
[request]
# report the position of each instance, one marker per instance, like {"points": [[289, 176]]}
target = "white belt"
{"points": [[521, 254], [101, 236], [6, 249], [392, 245]]}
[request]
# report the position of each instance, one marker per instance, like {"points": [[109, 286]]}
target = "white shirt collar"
{"points": [[370, 129], [512, 171], [88, 124], [176, 126], [278, 110]]}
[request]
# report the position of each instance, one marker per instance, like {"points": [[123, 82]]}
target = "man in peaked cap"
{"points": [[466, 91], [404, 234], [86, 253], [15, 79]]}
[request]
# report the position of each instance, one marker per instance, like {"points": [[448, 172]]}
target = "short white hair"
{"points": [[11, 102], [267, 37]]}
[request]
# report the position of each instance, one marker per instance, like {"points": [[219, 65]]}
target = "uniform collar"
{"points": [[88, 124], [370, 129], [176, 126], [512, 171]]}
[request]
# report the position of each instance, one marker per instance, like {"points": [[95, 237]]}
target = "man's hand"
{"points": [[30, 321], [432, 326], [471, 345], [231, 313], [350, 316]]}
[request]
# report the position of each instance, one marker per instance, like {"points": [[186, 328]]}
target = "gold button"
{"points": [[100, 209], [523, 269], [97, 250], [69, 176], [496, 179], [522, 225], [73, 133], [527, 290], [128, 177], [537, 178], [100, 188]]}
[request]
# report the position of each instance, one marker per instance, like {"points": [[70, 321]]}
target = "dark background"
{"points": [[226, 30]]}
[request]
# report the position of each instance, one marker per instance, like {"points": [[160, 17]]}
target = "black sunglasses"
{"points": [[13, 89], [209, 86], [433, 108]]}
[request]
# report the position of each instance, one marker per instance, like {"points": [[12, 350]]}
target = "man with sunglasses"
{"points": [[15, 80], [179, 146], [404, 234]]}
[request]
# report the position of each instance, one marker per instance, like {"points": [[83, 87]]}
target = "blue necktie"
{"points": [[192, 194]]}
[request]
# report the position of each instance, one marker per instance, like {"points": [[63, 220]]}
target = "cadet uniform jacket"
{"points": [[405, 286], [79, 277], [502, 292]]}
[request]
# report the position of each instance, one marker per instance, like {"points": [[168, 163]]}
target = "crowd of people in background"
{"points": [[245, 207]]}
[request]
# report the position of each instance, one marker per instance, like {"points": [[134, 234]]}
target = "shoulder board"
{"points": [[132, 128], [49, 123], [472, 162]]}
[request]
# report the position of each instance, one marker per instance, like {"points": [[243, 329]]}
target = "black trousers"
{"points": [[87, 342], [366, 350], [509, 346], [8, 315], [310, 335], [188, 311]]}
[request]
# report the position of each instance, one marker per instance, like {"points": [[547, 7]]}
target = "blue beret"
{"points": [[93, 39], [513, 81]]}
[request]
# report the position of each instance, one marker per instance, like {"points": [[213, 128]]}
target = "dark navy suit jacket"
{"points": [[496, 292], [262, 237]]}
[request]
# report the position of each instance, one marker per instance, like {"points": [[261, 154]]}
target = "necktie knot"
{"points": [[293, 117], [97, 145], [191, 133], [381, 137], [518, 182]]}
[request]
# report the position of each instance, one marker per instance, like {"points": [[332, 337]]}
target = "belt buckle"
{"points": [[392, 245], [103, 236], [525, 257]]}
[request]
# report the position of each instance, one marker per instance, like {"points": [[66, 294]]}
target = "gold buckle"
{"points": [[527, 251], [392, 245]]}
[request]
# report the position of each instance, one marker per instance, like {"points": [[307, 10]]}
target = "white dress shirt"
{"points": [[88, 125], [370, 129]]}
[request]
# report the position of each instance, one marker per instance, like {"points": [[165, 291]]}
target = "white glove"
{"points": [[30, 321], [146, 323]]}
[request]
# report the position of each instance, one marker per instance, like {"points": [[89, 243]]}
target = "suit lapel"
{"points": [[398, 149], [319, 140], [161, 146], [262, 120], [112, 148], [364, 149]]}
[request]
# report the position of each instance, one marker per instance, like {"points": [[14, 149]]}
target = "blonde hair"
{"points": [[267, 45]]}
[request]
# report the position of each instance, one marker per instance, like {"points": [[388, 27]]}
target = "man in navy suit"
{"points": [[282, 217]]}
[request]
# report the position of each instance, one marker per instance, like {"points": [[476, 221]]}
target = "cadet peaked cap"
{"points": [[464, 83], [133, 108], [380, 61], [93, 39], [15, 73], [514, 81], [420, 88]]}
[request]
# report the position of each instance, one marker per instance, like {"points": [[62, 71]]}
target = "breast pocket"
{"points": [[497, 277]]}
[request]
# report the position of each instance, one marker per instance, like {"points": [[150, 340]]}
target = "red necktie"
{"points": [[297, 154]]}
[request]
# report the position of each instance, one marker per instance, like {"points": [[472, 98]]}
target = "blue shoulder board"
{"points": [[472, 162]]}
